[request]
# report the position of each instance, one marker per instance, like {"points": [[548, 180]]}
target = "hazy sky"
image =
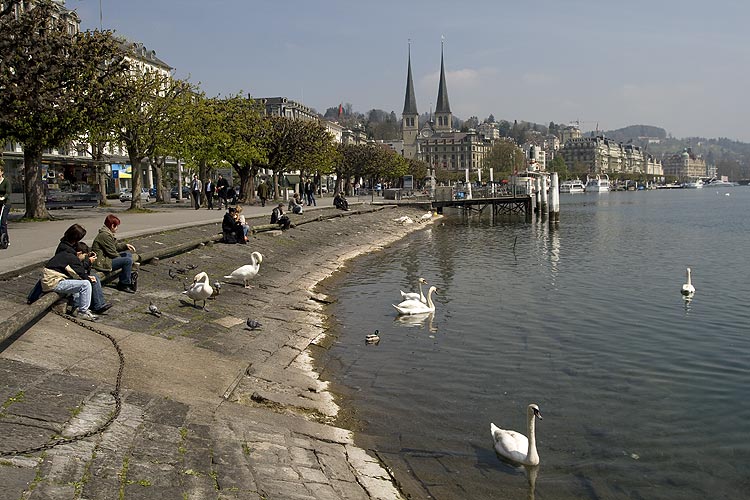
{"points": [[678, 64]]}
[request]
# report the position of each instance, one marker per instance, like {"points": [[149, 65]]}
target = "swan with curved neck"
{"points": [[415, 296], [688, 288], [200, 289], [416, 306], [246, 272], [515, 446]]}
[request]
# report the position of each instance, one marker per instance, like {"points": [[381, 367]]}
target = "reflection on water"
{"points": [[645, 395], [418, 321]]}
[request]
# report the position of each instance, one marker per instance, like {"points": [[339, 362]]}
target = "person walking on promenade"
{"points": [[112, 255], [65, 274], [4, 208], [263, 190], [196, 189], [209, 189], [221, 186], [309, 190]]}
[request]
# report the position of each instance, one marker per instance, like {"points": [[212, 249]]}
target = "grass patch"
{"points": [[11, 401]]}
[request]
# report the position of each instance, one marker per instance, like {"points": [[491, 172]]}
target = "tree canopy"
{"points": [[53, 85]]}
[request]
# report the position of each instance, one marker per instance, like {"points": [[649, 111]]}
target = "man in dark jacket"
{"points": [[209, 190], [263, 190], [221, 186]]}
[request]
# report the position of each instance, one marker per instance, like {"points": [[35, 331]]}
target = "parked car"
{"points": [[185, 192], [127, 195]]}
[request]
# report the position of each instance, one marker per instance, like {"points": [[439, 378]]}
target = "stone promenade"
{"points": [[209, 408]]}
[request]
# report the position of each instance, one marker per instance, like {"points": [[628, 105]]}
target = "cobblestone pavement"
{"points": [[210, 409]]}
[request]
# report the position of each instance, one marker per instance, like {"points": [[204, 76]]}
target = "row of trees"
{"points": [[57, 89]]}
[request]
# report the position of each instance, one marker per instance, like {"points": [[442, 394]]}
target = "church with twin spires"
{"points": [[436, 142]]}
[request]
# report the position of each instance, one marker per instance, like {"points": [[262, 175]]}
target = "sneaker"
{"points": [[123, 287], [103, 309], [87, 315]]}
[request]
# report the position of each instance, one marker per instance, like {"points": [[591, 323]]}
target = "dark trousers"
{"points": [[210, 199], [197, 199], [4, 209]]}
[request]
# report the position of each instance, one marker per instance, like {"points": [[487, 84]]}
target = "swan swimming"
{"points": [[247, 271], [515, 446], [416, 306], [688, 288], [200, 289], [414, 295]]}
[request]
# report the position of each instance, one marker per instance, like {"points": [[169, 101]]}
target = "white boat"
{"points": [[696, 184], [572, 186], [719, 183], [598, 184], [525, 182]]}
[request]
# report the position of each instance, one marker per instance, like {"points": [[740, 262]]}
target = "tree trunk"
{"points": [[157, 167], [276, 190], [135, 168], [97, 154], [101, 176], [244, 172], [36, 207], [202, 176]]}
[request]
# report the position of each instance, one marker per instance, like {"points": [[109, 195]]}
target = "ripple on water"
{"points": [[643, 395]]}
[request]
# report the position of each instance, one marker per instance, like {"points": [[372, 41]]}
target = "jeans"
{"points": [[80, 289], [97, 294], [197, 199], [311, 199], [124, 262]]}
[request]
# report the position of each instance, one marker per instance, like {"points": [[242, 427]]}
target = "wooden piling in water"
{"points": [[554, 194]]}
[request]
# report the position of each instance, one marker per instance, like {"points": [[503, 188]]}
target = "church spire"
{"points": [[442, 99], [443, 108], [410, 117], [410, 102]]}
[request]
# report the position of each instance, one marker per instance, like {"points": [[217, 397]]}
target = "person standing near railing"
{"points": [[4, 208]]}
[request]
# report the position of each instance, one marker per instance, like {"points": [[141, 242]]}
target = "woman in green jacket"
{"points": [[112, 254]]}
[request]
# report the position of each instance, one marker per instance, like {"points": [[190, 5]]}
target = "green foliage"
{"points": [[300, 145], [151, 109], [504, 158], [53, 85]]}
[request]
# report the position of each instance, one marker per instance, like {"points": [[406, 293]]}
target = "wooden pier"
{"points": [[502, 205]]}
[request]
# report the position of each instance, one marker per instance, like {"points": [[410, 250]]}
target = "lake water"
{"points": [[643, 395]]}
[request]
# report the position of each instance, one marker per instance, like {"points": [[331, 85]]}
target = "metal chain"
{"points": [[115, 394]]}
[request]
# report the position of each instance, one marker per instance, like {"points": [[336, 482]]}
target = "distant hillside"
{"points": [[633, 132]]}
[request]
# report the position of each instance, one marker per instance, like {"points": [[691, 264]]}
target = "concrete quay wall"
{"points": [[210, 408]]}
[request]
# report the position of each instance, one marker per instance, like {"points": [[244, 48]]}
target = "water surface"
{"points": [[643, 394]]}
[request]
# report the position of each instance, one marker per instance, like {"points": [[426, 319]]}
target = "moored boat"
{"points": [[572, 186], [719, 183], [597, 184], [696, 184]]}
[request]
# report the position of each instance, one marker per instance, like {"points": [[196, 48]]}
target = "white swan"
{"points": [[515, 446], [416, 306], [414, 295], [688, 288], [200, 289], [248, 271]]}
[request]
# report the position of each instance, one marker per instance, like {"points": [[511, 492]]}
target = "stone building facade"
{"points": [[685, 166], [601, 155]]}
